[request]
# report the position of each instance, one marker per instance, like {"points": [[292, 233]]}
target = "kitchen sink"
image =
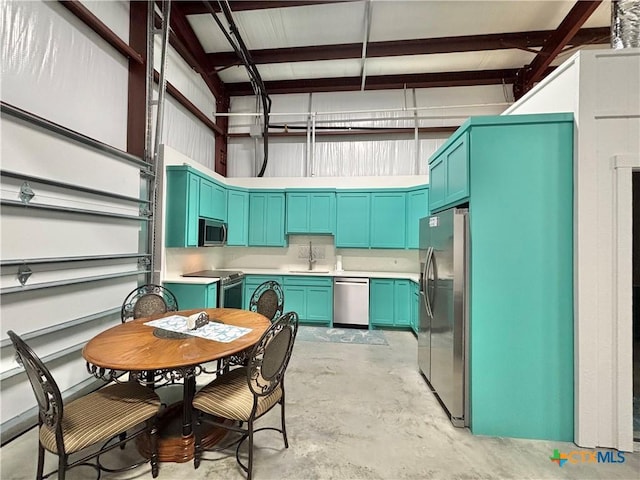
{"points": [[311, 272]]}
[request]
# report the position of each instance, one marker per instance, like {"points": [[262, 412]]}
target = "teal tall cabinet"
{"points": [[516, 173]]}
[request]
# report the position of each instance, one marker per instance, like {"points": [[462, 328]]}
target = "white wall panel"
{"points": [[114, 14], [57, 68], [185, 133], [185, 79], [54, 66], [357, 155]]}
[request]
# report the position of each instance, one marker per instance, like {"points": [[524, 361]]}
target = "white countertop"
{"points": [[176, 278], [193, 280], [325, 273]]}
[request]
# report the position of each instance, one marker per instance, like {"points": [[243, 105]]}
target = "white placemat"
{"points": [[218, 332]]}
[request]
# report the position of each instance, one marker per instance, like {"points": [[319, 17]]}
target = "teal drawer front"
{"points": [[309, 281]]}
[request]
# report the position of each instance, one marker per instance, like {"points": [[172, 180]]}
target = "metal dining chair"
{"points": [[122, 410], [148, 300], [245, 394], [268, 300]]}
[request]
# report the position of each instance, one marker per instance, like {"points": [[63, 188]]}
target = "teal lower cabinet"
{"points": [[390, 303], [251, 282], [194, 295], [310, 297]]}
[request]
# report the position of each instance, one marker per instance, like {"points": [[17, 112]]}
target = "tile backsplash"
{"points": [[293, 257]]}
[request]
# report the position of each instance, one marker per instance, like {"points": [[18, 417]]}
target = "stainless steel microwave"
{"points": [[211, 233]]}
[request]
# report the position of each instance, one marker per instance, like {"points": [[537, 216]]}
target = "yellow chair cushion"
{"points": [[229, 396], [101, 415]]}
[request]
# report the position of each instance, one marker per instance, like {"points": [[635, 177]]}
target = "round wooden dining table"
{"points": [[152, 353]]}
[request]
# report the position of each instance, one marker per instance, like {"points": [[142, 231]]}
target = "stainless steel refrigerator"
{"points": [[442, 336]]}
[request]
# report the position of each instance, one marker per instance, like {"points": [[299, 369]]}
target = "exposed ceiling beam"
{"points": [[184, 40], [380, 82], [468, 43], [195, 8], [562, 36]]}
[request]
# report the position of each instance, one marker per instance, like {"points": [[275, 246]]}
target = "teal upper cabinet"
{"points": [[352, 219], [449, 173], [237, 217], [417, 207], [213, 200], [183, 199], [388, 219], [311, 212], [266, 219]]}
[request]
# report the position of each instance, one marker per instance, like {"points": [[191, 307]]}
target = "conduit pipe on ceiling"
{"points": [[349, 112], [625, 24]]}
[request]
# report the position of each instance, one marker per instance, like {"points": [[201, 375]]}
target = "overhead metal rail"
{"points": [[47, 359], [72, 281], [69, 186], [81, 211], [83, 258], [7, 109], [62, 326]]}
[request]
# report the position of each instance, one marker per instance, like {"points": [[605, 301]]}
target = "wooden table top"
{"points": [[133, 346]]}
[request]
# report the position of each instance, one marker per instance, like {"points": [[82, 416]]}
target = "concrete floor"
{"points": [[360, 412]]}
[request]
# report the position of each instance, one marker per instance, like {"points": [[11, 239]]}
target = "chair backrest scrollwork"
{"points": [[270, 356], [268, 300], [148, 300], [45, 388]]}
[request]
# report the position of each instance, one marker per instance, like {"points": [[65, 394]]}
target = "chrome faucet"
{"points": [[311, 259]]}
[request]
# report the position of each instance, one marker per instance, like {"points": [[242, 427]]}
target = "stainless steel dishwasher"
{"points": [[350, 301]]}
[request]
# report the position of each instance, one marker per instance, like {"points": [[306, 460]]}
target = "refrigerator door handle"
{"points": [[432, 298], [425, 282]]}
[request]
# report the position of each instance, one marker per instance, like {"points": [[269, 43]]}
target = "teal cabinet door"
{"points": [[275, 220], [257, 219], [388, 220], [311, 212], [266, 219], [322, 212], [190, 295], [310, 297], [449, 174], [319, 304], [182, 206], [213, 200], [457, 166], [402, 303], [298, 212], [437, 183], [353, 220], [381, 302], [237, 218], [295, 300], [417, 208]]}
